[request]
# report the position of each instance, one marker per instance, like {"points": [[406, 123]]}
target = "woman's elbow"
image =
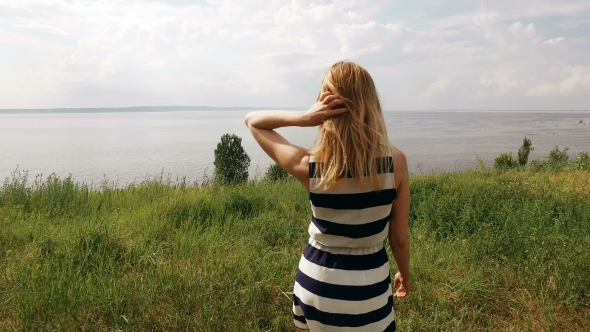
{"points": [[248, 119], [399, 242]]}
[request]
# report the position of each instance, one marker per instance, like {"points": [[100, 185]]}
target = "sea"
{"points": [[124, 146]]}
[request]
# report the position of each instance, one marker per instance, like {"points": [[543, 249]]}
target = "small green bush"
{"points": [[583, 161], [231, 160], [275, 172], [536, 165], [14, 191], [524, 151], [558, 156], [505, 161]]}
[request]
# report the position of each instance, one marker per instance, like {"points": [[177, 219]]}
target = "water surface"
{"points": [[128, 147]]}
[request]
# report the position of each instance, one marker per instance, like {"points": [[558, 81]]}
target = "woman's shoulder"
{"points": [[398, 155], [400, 165]]}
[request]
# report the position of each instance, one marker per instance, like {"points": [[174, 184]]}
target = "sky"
{"points": [[431, 54]]}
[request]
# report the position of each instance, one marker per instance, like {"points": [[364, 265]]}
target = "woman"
{"points": [[359, 193]]}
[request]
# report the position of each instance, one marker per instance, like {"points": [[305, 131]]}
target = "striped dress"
{"points": [[343, 281]]}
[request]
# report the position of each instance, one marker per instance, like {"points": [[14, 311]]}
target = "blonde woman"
{"points": [[359, 194]]}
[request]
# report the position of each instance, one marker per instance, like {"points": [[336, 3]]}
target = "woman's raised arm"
{"points": [[294, 159]]}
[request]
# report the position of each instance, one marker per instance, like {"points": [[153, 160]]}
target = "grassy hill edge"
{"points": [[490, 250]]}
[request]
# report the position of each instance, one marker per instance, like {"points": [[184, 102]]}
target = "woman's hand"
{"points": [[323, 109], [403, 284]]}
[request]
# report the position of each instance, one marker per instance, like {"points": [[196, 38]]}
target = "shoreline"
{"points": [[128, 147]]}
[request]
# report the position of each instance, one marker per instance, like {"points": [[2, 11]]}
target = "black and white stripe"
{"points": [[343, 281], [346, 292], [384, 165]]}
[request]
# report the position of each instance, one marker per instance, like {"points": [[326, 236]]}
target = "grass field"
{"points": [[491, 251]]}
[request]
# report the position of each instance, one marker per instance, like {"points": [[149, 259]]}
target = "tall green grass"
{"points": [[490, 251]]}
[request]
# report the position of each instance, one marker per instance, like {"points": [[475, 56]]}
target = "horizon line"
{"points": [[114, 109]]}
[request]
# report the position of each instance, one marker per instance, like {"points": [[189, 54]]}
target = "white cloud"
{"points": [[481, 19], [554, 40], [38, 27], [435, 89], [523, 66], [578, 78], [78, 53], [518, 27], [367, 37], [518, 79]]}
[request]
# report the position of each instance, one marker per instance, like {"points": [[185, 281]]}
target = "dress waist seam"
{"points": [[346, 250]]}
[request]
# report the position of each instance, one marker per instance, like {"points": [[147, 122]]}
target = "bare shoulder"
{"points": [[301, 171], [303, 168], [400, 166], [398, 155]]}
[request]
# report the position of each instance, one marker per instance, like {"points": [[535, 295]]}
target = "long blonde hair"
{"points": [[351, 144]]}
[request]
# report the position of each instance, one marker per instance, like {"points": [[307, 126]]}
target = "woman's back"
{"points": [[352, 214], [343, 277]]}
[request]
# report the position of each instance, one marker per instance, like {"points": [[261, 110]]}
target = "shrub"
{"points": [[481, 167], [583, 161], [15, 191], [536, 165], [524, 151], [558, 156], [275, 172], [505, 161], [231, 161]]}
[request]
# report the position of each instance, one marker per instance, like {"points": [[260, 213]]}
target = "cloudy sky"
{"points": [[431, 54]]}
